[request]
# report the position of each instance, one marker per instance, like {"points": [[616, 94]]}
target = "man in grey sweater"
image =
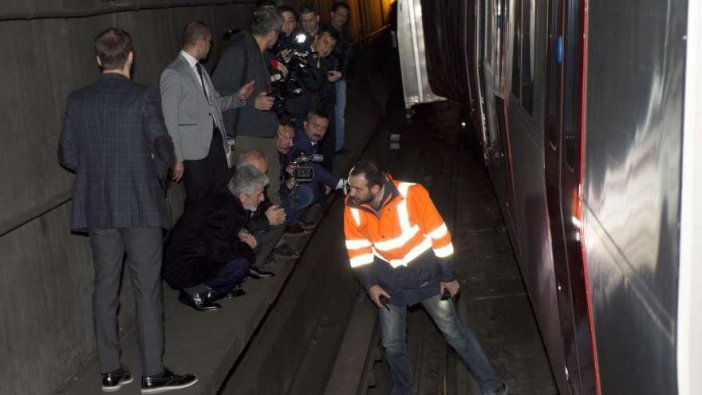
{"points": [[254, 124]]}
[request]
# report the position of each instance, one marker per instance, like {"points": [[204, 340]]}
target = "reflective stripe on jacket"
{"points": [[406, 226]]}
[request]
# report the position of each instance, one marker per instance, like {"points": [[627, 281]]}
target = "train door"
{"points": [[497, 150], [562, 152]]}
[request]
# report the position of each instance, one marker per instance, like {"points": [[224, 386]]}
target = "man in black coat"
{"points": [[209, 251], [115, 141]]}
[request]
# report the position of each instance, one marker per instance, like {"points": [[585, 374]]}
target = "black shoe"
{"points": [[166, 381], [504, 390], [296, 229], [199, 302], [259, 274], [113, 381], [308, 225], [234, 293], [285, 251]]}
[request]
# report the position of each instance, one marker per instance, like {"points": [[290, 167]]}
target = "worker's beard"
{"points": [[357, 201]]}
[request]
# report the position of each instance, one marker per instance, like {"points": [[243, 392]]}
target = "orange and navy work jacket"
{"points": [[405, 227]]}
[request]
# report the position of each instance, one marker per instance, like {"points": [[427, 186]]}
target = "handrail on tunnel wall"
{"points": [[111, 6]]}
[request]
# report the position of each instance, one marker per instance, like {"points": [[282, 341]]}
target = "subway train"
{"points": [[587, 113]]}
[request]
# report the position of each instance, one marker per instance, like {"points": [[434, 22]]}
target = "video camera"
{"points": [[295, 57], [303, 166]]}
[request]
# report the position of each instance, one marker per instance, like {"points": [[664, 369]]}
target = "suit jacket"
{"points": [[189, 115], [115, 141], [205, 238], [241, 62]]}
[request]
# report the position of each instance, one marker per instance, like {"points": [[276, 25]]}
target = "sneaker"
{"points": [[166, 381], [113, 381]]}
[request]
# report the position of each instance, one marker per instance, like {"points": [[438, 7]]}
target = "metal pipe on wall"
{"points": [[111, 6]]}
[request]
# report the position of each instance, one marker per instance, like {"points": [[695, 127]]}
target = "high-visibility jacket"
{"points": [[405, 227]]}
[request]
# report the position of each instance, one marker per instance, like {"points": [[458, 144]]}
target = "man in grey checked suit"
{"points": [[115, 141], [192, 110]]}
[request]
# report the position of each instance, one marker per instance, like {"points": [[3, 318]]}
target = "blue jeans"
{"points": [[297, 202], [393, 323], [339, 109]]}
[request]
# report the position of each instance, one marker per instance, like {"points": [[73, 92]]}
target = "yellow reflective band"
{"points": [[361, 260], [444, 251], [357, 244], [397, 242], [439, 232], [410, 256], [403, 187], [356, 216]]}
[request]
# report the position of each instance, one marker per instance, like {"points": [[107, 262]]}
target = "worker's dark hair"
{"points": [[370, 171], [112, 47]]}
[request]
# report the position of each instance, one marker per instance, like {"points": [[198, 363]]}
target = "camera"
{"points": [[303, 166], [295, 57]]}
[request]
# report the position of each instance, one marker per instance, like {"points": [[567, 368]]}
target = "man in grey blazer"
{"points": [[114, 140], [192, 110]]}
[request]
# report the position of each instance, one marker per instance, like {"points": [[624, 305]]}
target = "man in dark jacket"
{"points": [[246, 59], [115, 141], [209, 251], [339, 18], [306, 142]]}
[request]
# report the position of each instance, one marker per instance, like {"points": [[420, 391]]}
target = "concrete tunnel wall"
{"points": [[46, 274]]}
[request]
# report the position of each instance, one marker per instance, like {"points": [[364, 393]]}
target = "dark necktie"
{"points": [[198, 66]]}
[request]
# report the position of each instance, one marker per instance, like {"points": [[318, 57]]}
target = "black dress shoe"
{"points": [[259, 274], [113, 381], [198, 302], [296, 229], [308, 225], [166, 381], [234, 293], [285, 251]]}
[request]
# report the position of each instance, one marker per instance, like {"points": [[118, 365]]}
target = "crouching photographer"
{"points": [[296, 85], [306, 181]]}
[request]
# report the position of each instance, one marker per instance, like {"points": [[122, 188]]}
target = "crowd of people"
{"points": [[278, 92]]}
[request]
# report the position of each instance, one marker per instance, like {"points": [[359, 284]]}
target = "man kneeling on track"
{"points": [[391, 230], [209, 251]]}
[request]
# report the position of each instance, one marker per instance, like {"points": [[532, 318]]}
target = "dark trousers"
{"points": [[265, 243], [328, 147], [143, 248], [229, 275], [208, 173]]}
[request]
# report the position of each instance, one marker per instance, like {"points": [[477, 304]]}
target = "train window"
{"points": [[527, 78], [573, 86], [523, 53], [516, 50], [491, 33]]}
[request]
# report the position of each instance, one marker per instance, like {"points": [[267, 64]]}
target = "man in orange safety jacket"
{"points": [[401, 249]]}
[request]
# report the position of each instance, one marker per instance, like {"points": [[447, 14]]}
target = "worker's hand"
{"points": [[451, 286], [177, 170], [275, 215], [375, 293]]}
